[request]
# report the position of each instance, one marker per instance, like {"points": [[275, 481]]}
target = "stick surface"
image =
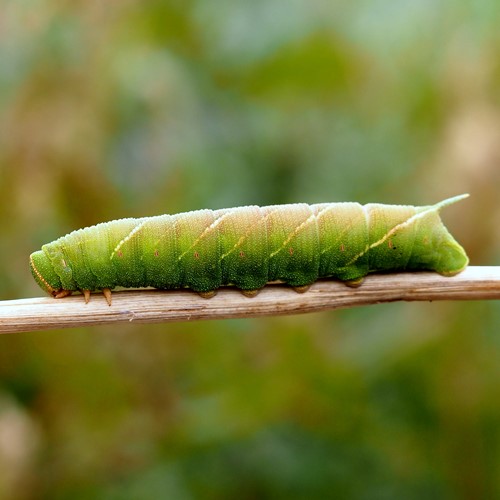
{"points": [[156, 306]]}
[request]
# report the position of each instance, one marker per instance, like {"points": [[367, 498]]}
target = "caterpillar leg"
{"points": [[354, 283], [250, 293], [301, 289], [59, 294], [107, 295], [86, 294], [208, 295]]}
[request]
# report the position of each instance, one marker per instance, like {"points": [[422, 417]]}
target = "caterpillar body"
{"points": [[248, 247]]}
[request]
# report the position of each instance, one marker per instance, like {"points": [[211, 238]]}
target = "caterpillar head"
{"points": [[44, 273], [451, 257]]}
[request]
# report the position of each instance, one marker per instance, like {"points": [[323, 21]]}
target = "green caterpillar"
{"points": [[248, 247]]}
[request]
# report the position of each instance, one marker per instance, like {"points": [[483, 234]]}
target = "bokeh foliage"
{"points": [[131, 108]]}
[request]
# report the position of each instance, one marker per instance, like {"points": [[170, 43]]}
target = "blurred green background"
{"points": [[132, 108]]}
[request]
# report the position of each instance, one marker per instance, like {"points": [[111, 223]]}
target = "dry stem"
{"points": [[155, 306]]}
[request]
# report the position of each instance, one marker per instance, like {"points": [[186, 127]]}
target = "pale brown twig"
{"points": [[155, 306]]}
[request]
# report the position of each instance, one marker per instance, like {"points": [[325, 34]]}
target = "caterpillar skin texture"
{"points": [[248, 247]]}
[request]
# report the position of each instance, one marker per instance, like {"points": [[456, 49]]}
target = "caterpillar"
{"points": [[248, 247]]}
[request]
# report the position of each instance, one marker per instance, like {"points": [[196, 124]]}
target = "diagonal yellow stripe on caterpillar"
{"points": [[262, 220], [134, 231], [205, 232], [402, 225], [348, 227], [294, 233]]}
